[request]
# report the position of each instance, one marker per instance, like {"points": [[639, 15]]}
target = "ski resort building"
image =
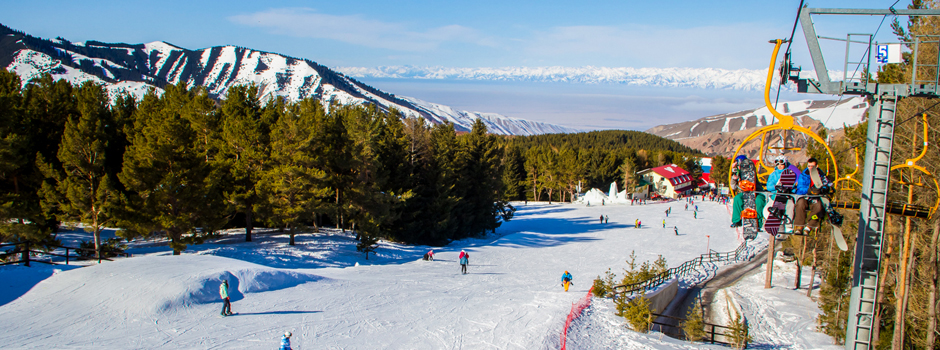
{"points": [[667, 180]]}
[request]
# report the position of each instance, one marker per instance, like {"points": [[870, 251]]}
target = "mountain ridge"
{"points": [[136, 68]]}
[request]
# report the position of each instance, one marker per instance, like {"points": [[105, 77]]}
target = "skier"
{"points": [[686, 206], [816, 184], [664, 223], [667, 213], [285, 341], [566, 280], [695, 215], [676, 228], [464, 261], [226, 303]]}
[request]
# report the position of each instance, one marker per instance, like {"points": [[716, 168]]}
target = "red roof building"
{"points": [[668, 180]]}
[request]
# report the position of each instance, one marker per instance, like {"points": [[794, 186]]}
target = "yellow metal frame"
{"points": [[785, 122], [849, 177], [912, 164]]}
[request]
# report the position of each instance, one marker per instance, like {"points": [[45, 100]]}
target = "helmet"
{"points": [[781, 159], [566, 271], [287, 334], [740, 158]]}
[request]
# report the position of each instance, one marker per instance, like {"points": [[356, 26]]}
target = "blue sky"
{"points": [[725, 34]]}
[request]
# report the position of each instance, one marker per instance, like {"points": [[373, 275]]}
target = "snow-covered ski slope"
{"points": [[511, 298]]}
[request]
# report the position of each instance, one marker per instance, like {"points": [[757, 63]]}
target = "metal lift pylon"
{"points": [[876, 176]]}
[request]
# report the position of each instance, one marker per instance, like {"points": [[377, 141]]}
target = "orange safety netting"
{"points": [[576, 310]]}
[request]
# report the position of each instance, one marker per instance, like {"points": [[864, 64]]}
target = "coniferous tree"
{"points": [[293, 185], [480, 183], [83, 190], [243, 150], [514, 175], [168, 167]]}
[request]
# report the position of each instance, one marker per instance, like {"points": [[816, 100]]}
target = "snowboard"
{"points": [[779, 216], [232, 314], [747, 183], [835, 219]]}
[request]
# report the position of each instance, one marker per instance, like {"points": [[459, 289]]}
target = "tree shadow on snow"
{"points": [[278, 313], [548, 232]]}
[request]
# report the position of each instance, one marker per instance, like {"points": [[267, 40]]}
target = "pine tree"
{"points": [[243, 150], [293, 185], [694, 326], [739, 330], [638, 314], [168, 168], [83, 190]]}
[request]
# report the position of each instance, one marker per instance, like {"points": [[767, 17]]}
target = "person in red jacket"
{"points": [[464, 261]]}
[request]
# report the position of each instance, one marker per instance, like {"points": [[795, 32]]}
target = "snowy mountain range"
{"points": [[700, 78], [137, 68], [703, 78], [721, 134]]}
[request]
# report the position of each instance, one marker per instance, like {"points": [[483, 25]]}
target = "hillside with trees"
{"points": [[183, 165]]}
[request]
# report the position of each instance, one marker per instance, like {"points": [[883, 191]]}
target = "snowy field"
{"points": [[331, 297]]}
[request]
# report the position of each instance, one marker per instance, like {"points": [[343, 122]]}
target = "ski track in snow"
{"points": [[510, 299]]}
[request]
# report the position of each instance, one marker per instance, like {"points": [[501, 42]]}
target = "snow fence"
{"points": [[576, 310]]}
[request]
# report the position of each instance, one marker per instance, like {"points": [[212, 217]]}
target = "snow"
{"points": [[781, 317], [329, 296]]}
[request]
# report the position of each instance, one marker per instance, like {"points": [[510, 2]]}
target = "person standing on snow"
{"points": [[285, 341], [226, 303], [606, 219], [464, 261], [565, 278], [602, 219], [664, 223], [676, 228]]}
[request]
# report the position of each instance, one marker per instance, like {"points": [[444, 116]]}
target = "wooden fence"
{"points": [[683, 270], [25, 251]]}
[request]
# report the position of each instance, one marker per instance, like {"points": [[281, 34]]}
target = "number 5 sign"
{"points": [[889, 53]]}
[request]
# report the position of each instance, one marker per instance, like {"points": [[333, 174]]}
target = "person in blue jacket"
{"points": [[816, 184], [565, 277], [285, 341], [226, 303]]}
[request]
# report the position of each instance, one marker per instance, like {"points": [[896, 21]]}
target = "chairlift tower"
{"points": [[881, 123]]}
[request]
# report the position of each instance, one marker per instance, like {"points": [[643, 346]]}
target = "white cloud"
{"points": [[728, 46], [355, 29]]}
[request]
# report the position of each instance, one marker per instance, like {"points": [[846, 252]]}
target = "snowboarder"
{"points": [[429, 256], [816, 184], [226, 303], [785, 179], [566, 280], [285, 341], [636, 224], [695, 215], [464, 261], [737, 182]]}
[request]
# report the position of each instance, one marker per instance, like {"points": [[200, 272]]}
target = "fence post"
{"points": [[66, 256], [713, 334], [25, 254]]}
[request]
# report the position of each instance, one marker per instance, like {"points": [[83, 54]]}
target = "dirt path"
{"points": [[729, 276]]}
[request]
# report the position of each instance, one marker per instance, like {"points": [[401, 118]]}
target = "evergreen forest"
{"points": [[183, 166]]}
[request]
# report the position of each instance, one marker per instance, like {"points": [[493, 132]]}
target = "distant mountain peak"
{"points": [[138, 68]]}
